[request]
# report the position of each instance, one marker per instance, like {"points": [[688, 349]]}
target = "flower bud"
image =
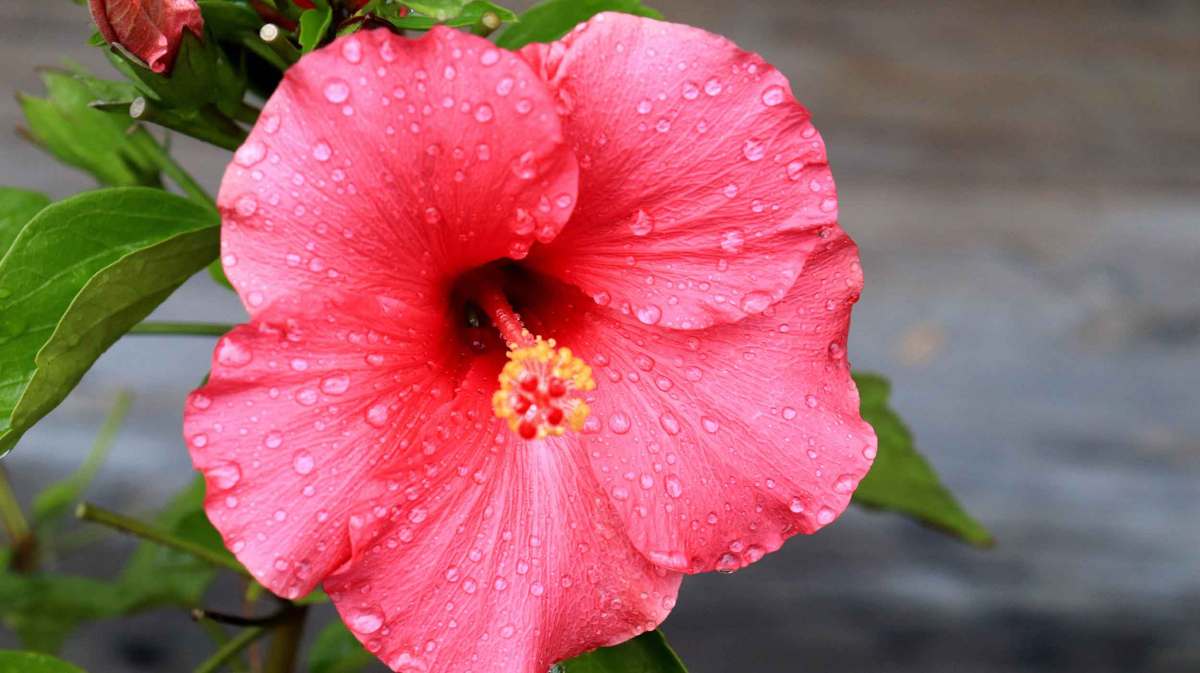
{"points": [[149, 29]]}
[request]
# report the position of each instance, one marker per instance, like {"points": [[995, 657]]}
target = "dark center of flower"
{"points": [[542, 385]]}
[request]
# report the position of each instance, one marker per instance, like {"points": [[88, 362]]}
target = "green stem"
{"points": [[231, 649], [207, 124], [15, 524], [265, 52], [277, 40], [167, 164], [181, 328], [247, 113], [124, 524], [285, 644]]}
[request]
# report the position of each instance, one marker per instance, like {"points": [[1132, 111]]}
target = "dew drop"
{"points": [[825, 516], [251, 153], [352, 51], [712, 87], [233, 353], [336, 90], [366, 622], [641, 224], [649, 314], [224, 475], [335, 384], [489, 56], [773, 95], [796, 506], [732, 241], [756, 302], [674, 486], [322, 152], [303, 463], [754, 149], [619, 423]]}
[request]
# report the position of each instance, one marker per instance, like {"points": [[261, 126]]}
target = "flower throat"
{"points": [[541, 386]]}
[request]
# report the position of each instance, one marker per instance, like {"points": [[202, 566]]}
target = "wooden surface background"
{"points": [[1024, 180]]}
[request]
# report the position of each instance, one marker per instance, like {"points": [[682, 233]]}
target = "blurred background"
{"points": [[1024, 181]]}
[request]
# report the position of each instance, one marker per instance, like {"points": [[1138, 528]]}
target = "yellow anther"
{"points": [[541, 390]]}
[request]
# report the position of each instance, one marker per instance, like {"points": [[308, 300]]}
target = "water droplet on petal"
{"points": [[366, 622], [756, 302], [303, 463], [825, 516], [754, 149], [674, 486], [773, 95], [322, 152], [484, 113], [619, 423], [649, 315], [335, 384], [336, 90], [224, 476], [641, 224]]}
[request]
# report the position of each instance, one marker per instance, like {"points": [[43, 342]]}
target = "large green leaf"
{"points": [[17, 207], [336, 650], [648, 653], [550, 20], [65, 125], [33, 662], [80, 274], [901, 479]]}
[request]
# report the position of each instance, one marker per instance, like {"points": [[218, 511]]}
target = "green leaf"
{"points": [[314, 23], [202, 75], [65, 125], [336, 650], [33, 662], [901, 479], [17, 207], [80, 274], [550, 20], [439, 10], [648, 653], [230, 19], [470, 14]]}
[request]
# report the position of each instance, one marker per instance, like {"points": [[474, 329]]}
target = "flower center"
{"points": [[541, 386]]}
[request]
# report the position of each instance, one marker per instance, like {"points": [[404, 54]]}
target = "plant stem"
{"points": [[200, 614], [247, 113], [17, 527], [181, 328], [231, 649], [167, 164], [207, 124], [275, 38], [124, 524], [285, 644]]}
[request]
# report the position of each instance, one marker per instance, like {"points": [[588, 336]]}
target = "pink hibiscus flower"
{"points": [[531, 335], [149, 29]]}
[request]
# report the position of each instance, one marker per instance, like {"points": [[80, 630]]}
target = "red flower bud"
{"points": [[149, 29]]}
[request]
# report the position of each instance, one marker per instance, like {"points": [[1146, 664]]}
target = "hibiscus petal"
{"points": [[703, 184], [502, 555], [718, 444], [296, 417], [386, 166], [149, 29]]}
